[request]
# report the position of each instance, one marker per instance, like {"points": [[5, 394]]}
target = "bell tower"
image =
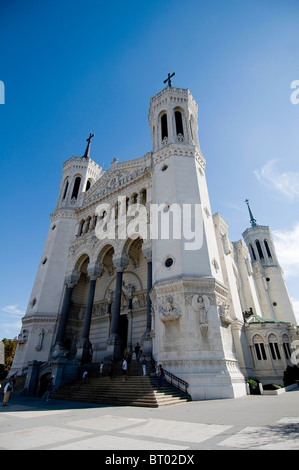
{"points": [[78, 175], [273, 293], [188, 287], [43, 309], [173, 118]]}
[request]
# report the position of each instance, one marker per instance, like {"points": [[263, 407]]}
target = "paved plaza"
{"points": [[253, 422]]}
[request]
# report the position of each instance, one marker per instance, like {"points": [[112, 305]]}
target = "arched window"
{"points": [[143, 197], [88, 184], [286, 346], [164, 128], [191, 130], [80, 228], [267, 249], [259, 249], [252, 252], [274, 347], [179, 123], [259, 348], [76, 187], [65, 190]]}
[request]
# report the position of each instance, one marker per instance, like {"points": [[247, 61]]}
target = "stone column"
{"points": [[147, 347], [114, 342], [70, 281], [84, 346], [148, 256]]}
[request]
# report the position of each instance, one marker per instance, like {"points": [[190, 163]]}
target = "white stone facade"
{"points": [[111, 276]]}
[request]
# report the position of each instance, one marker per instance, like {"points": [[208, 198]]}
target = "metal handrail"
{"points": [[180, 382]]}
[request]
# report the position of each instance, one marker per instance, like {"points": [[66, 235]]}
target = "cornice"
{"points": [[114, 181], [181, 150], [63, 214]]}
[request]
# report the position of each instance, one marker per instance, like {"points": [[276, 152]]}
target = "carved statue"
{"points": [[41, 340], [201, 305], [128, 290], [110, 295], [224, 314]]}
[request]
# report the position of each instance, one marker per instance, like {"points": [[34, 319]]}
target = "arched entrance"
{"points": [[123, 331], [43, 383]]}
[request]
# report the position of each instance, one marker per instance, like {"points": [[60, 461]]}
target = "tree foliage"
{"points": [[10, 346], [291, 374]]}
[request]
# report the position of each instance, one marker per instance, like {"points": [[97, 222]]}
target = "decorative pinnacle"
{"points": [[252, 219]]}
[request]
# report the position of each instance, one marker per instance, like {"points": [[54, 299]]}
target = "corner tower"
{"points": [[78, 175], [40, 321], [188, 295], [274, 297]]}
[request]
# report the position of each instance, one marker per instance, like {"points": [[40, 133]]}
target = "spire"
{"points": [[87, 151], [252, 219]]}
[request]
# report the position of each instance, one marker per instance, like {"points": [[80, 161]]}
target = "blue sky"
{"points": [[74, 67]]}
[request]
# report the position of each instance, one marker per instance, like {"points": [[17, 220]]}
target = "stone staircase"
{"points": [[137, 390]]}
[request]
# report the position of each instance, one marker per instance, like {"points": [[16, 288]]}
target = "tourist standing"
{"points": [[111, 369], [50, 388], [143, 363], [6, 391], [84, 377], [129, 359], [161, 376], [137, 350], [124, 368]]}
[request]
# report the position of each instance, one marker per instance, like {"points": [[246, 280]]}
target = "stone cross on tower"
{"points": [[87, 151], [168, 79], [90, 137]]}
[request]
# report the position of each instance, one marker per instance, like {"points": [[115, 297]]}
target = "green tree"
{"points": [[10, 346]]}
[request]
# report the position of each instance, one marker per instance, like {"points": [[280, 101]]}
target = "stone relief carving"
{"points": [[100, 309], [169, 310], [139, 301], [119, 178]]}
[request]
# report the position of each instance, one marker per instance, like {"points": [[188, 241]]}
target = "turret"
{"points": [[273, 293], [78, 175]]}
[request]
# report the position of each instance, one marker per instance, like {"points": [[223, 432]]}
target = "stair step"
{"points": [[137, 390]]}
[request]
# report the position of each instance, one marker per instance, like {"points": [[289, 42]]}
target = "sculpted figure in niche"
{"points": [[201, 304]]}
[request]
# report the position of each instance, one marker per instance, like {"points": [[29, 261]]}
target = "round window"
{"points": [[168, 262]]}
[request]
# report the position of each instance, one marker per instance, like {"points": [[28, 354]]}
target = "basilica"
{"points": [[134, 254]]}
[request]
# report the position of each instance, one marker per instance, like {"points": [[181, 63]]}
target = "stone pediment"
{"points": [[118, 176]]}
